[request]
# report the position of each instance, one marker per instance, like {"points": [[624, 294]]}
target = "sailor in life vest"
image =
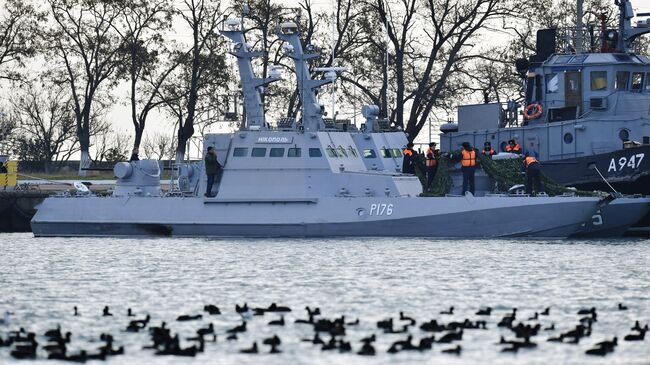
{"points": [[431, 162], [513, 147], [487, 149], [408, 164], [468, 166], [533, 175]]}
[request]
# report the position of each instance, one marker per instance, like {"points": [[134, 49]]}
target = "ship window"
{"points": [[276, 152], [563, 59], [568, 138], [578, 59], [385, 153], [353, 152], [624, 135], [647, 82], [622, 57], [552, 83], [369, 153], [315, 152], [598, 80], [622, 80], [294, 152], [397, 152], [341, 152], [258, 152], [240, 152], [331, 152], [637, 81]]}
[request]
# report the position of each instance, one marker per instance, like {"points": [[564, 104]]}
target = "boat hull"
{"points": [[616, 218], [449, 217]]}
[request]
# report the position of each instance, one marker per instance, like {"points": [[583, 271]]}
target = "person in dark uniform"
{"points": [[212, 167], [468, 167], [408, 164], [487, 149], [533, 175], [431, 162]]}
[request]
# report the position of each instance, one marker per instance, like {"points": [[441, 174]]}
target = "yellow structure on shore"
{"points": [[8, 174]]}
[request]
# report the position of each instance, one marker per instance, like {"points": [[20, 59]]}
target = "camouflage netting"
{"points": [[506, 173]]}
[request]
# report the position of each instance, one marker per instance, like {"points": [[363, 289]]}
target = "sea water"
{"points": [[41, 279]]}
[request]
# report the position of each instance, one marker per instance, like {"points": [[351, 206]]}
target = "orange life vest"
{"points": [[515, 149], [529, 160], [408, 152], [431, 158], [469, 158]]}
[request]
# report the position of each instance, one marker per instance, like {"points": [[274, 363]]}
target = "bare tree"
{"points": [[45, 124], [159, 146], [202, 70], [142, 27], [112, 146], [20, 24], [84, 44]]}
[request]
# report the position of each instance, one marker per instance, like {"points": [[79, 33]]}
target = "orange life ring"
{"points": [[538, 110]]}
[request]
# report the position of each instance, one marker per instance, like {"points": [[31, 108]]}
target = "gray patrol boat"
{"points": [[586, 116], [300, 178]]}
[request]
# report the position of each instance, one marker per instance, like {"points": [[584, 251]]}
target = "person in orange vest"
{"points": [[533, 175], [487, 149], [408, 164], [431, 163], [513, 147], [468, 166]]}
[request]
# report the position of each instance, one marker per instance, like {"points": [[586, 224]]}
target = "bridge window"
{"points": [[552, 83], [598, 80], [315, 152], [276, 152], [622, 81], [369, 153], [294, 152], [647, 82], [240, 152], [258, 152], [353, 152], [331, 152], [341, 152], [385, 153], [637, 81], [397, 152]]}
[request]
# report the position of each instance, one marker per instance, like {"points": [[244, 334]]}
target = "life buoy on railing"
{"points": [[533, 111]]}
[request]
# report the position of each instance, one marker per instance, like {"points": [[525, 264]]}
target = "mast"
{"points": [[579, 25], [250, 84], [312, 111]]}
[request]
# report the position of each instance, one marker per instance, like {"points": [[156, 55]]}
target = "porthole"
{"points": [[624, 135], [568, 138]]}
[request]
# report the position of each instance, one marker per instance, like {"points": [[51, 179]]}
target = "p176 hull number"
{"points": [[381, 209], [632, 162]]}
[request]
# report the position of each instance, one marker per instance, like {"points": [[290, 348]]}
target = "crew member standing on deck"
{"points": [[408, 164], [533, 175], [487, 149], [431, 162], [212, 167], [468, 167], [513, 147]]}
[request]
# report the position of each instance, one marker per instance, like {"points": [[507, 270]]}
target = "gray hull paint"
{"points": [[616, 218], [460, 217]]}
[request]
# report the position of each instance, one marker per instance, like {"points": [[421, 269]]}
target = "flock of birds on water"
{"points": [[328, 333]]}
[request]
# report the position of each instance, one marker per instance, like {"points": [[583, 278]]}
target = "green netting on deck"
{"points": [[506, 173]]}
